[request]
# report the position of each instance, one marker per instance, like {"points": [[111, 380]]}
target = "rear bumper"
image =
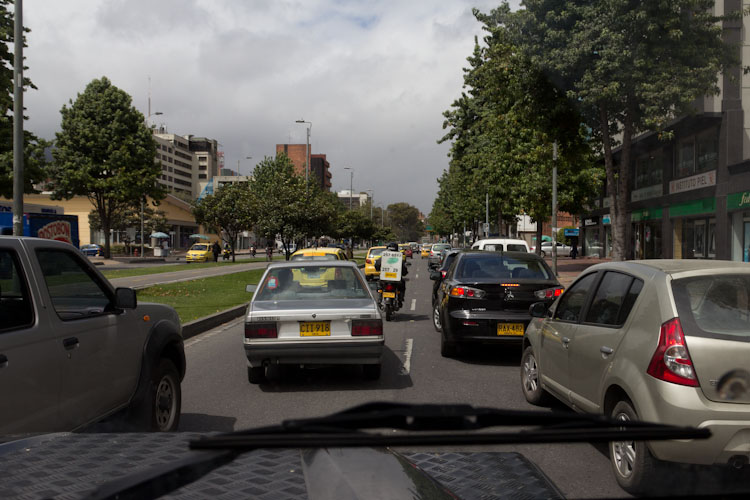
{"points": [[485, 328], [334, 352]]}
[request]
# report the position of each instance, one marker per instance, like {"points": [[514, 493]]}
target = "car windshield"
{"points": [[315, 282], [500, 266], [199, 247]]}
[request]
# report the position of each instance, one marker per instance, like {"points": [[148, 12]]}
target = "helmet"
{"points": [[392, 246]]}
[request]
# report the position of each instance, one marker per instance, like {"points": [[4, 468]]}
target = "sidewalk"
{"points": [[568, 269]]}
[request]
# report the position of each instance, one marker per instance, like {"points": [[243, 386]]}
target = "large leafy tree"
{"points": [[229, 211], [153, 220], [106, 153], [403, 219], [354, 224], [34, 161], [629, 66]]}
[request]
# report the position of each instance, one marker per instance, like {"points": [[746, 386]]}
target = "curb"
{"points": [[198, 326]]}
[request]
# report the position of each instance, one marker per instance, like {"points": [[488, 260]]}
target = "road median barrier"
{"points": [[200, 325]]}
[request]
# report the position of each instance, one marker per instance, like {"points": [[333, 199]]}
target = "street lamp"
{"points": [[307, 149], [372, 199], [351, 184]]}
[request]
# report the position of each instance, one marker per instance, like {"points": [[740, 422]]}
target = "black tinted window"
{"points": [[502, 267], [610, 298], [15, 301], [574, 298]]}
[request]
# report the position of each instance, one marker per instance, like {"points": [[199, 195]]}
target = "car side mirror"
{"points": [[251, 288], [125, 298], [538, 309], [435, 275]]}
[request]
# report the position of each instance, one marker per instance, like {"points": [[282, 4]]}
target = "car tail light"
{"points": [[390, 287], [261, 331], [549, 293], [368, 261], [443, 273], [362, 327], [466, 292], [671, 362]]}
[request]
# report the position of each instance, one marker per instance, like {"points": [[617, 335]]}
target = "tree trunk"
{"points": [[105, 229], [610, 171], [620, 207], [539, 225]]}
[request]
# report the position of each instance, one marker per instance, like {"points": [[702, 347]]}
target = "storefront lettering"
{"points": [[695, 182], [745, 200]]}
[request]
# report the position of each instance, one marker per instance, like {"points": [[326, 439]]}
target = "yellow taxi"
{"points": [[313, 276], [425, 250], [199, 252], [373, 254]]}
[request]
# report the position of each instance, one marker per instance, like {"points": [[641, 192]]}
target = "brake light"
{"points": [[671, 362], [443, 273], [362, 327], [368, 261], [549, 293], [466, 292], [261, 331], [390, 287]]}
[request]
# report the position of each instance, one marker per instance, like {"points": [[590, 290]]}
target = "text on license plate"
{"points": [[389, 295], [510, 328], [314, 328]]}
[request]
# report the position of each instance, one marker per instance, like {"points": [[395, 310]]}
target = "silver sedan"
{"points": [[306, 312]]}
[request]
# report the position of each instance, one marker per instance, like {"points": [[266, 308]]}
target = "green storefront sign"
{"points": [[697, 207], [735, 201], [646, 214]]}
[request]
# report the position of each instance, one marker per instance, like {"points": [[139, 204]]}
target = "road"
{"points": [[218, 397]]}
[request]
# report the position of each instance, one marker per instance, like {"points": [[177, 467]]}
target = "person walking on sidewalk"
{"points": [[269, 252], [216, 250]]}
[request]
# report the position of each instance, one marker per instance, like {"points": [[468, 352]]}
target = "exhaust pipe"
{"points": [[738, 461]]}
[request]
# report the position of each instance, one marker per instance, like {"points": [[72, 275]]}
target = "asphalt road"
{"points": [[218, 397]]}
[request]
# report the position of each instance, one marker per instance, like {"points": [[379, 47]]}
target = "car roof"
{"points": [[677, 266], [475, 251], [318, 251], [379, 246], [501, 240], [312, 263]]}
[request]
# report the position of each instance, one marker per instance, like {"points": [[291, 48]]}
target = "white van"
{"points": [[501, 245]]}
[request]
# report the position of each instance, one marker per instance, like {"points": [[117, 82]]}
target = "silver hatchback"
{"points": [[649, 340], [313, 312]]}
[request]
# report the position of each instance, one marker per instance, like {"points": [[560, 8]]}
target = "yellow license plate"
{"points": [[315, 328], [389, 295], [510, 328]]}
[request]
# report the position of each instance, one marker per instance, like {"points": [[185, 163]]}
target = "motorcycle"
{"points": [[388, 297]]}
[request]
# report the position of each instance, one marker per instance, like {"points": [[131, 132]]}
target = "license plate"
{"points": [[389, 295], [315, 328], [510, 328]]}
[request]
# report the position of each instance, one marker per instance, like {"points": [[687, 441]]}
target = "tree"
{"points": [[355, 225], [229, 211], [34, 161], [106, 153], [404, 221], [629, 67]]}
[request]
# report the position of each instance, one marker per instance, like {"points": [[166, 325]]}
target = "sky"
{"points": [[373, 77]]}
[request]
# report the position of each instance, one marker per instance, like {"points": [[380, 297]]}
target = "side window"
{"points": [[16, 310], [627, 305], [609, 299], [74, 292], [574, 298]]}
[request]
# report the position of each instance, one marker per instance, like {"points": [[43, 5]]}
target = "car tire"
{"points": [[165, 399], [371, 372], [530, 384], [436, 321], [635, 469], [256, 374]]}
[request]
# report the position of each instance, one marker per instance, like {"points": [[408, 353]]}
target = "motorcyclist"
{"points": [[393, 247]]}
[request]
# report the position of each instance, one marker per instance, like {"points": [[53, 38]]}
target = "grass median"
{"points": [[203, 297], [170, 268]]}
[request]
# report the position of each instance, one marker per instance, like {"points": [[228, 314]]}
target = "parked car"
{"points": [[485, 297], [74, 350], [649, 340], [562, 249], [294, 318], [91, 250], [501, 245], [433, 261], [199, 252], [373, 254]]}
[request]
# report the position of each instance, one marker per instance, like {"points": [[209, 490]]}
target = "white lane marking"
{"points": [[417, 277], [407, 357], [413, 304]]}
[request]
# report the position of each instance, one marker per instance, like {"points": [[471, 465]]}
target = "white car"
{"points": [[501, 245], [562, 249]]}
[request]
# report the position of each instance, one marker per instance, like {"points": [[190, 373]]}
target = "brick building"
{"points": [[320, 168]]}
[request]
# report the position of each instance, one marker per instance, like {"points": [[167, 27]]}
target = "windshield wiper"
{"points": [[442, 425]]}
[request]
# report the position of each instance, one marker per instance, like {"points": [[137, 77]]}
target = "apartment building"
{"points": [[319, 165], [186, 161]]}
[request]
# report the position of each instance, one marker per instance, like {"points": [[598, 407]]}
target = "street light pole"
{"points": [[18, 119], [307, 150], [372, 199], [351, 185], [554, 208]]}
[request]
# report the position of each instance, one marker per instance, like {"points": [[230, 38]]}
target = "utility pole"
{"points": [[18, 119], [487, 215], [554, 208], [142, 235]]}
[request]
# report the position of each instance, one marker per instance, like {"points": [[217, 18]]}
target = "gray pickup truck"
{"points": [[74, 350]]}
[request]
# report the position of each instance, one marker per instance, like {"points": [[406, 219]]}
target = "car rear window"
{"points": [[502, 266], [328, 256], [312, 282], [715, 306], [516, 248], [374, 252]]}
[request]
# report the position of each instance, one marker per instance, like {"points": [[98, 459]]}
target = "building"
{"points": [[689, 196], [186, 161], [319, 166], [357, 199]]}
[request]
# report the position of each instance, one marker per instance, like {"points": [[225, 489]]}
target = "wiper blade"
{"points": [[347, 428]]}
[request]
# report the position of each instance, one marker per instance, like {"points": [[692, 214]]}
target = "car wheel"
{"points": [[256, 374], [436, 322], [530, 383], [371, 372], [166, 397], [632, 463]]}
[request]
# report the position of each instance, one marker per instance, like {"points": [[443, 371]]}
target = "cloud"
{"points": [[373, 77]]}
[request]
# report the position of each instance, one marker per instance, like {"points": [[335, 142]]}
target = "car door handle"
{"points": [[606, 350], [70, 343], [565, 341], [3, 360]]}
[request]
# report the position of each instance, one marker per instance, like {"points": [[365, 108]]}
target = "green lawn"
{"points": [[203, 297], [142, 271]]}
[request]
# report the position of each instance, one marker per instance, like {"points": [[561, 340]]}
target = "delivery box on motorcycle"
{"points": [[390, 265]]}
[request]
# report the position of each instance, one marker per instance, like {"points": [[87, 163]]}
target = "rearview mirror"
{"points": [[251, 288], [125, 298], [435, 275], [538, 310]]}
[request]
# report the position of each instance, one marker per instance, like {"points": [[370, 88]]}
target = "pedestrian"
{"points": [[216, 250], [269, 252], [574, 250], [349, 253], [252, 250]]}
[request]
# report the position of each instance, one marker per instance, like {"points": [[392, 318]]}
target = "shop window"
{"points": [[685, 164], [746, 240], [707, 151], [699, 239], [711, 243], [648, 170]]}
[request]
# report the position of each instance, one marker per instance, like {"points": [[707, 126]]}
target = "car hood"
{"points": [[77, 465]]}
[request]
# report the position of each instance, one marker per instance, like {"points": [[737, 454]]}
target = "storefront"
{"points": [[647, 233], [738, 210], [694, 229], [592, 237]]}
